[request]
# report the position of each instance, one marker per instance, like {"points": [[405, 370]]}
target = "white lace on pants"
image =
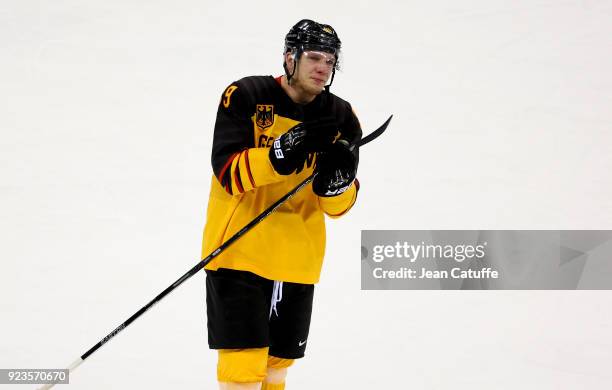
{"points": [[277, 296]]}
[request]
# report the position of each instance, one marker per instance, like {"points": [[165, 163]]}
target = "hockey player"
{"points": [[271, 134]]}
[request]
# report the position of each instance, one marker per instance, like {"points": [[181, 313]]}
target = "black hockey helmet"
{"points": [[310, 35]]}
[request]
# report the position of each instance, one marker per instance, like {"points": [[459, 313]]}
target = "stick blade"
{"points": [[375, 134]]}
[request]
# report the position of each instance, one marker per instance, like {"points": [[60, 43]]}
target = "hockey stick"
{"points": [[200, 265]]}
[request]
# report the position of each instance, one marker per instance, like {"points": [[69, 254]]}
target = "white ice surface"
{"points": [[502, 120]]}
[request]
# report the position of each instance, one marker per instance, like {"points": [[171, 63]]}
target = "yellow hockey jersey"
{"points": [[289, 244]]}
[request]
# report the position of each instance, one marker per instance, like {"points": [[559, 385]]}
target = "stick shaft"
{"points": [[196, 268]]}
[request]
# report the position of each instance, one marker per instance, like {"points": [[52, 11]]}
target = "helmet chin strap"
{"points": [[296, 59], [331, 81]]}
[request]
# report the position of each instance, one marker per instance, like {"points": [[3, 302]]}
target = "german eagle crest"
{"points": [[264, 116]]}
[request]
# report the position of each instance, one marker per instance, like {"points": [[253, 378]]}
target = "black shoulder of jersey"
{"points": [[351, 127], [339, 101], [253, 88]]}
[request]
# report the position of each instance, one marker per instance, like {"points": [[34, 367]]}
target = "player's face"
{"points": [[313, 72]]}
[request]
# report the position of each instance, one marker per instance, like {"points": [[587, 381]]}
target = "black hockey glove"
{"points": [[336, 168], [289, 152]]}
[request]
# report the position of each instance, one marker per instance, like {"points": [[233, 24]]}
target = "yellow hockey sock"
{"points": [[273, 386]]}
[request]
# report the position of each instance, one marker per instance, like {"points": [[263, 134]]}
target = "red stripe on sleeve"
{"points": [[227, 164], [246, 158], [237, 179]]}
